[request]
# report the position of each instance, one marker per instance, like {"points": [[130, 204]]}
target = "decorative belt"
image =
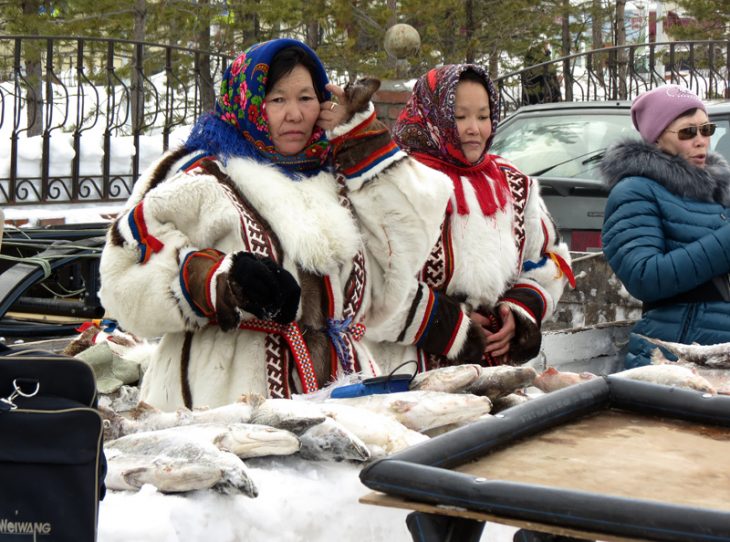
{"points": [[293, 336]]}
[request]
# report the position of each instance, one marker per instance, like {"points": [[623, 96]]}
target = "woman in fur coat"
{"points": [[499, 254], [666, 231], [261, 251]]}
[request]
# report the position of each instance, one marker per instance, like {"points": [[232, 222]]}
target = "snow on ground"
{"points": [[73, 213], [299, 501]]}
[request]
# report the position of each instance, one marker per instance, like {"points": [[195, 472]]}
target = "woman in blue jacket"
{"points": [[666, 231]]}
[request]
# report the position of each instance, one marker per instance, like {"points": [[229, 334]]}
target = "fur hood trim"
{"points": [[633, 158], [300, 209]]}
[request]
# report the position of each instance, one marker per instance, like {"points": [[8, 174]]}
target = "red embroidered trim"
{"points": [[518, 184], [525, 307], [293, 336], [208, 278], [278, 359], [563, 267], [198, 163], [352, 133], [330, 297], [438, 270], [370, 159], [454, 334], [209, 254], [545, 237], [150, 242], [254, 236], [538, 292], [426, 316]]}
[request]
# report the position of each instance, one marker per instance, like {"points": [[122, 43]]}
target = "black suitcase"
{"points": [[52, 463]]}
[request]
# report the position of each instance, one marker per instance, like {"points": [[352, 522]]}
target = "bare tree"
{"points": [[33, 75], [137, 81], [597, 37], [622, 54], [565, 49], [469, 30], [207, 92]]}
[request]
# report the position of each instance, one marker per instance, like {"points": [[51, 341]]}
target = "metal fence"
{"points": [[621, 73], [81, 117]]}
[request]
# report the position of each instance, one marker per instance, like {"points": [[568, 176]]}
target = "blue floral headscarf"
{"points": [[239, 126]]}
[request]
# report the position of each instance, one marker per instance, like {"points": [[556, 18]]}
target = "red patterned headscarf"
{"points": [[426, 129]]}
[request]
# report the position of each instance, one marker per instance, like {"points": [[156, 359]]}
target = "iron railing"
{"points": [[621, 73], [81, 117]]}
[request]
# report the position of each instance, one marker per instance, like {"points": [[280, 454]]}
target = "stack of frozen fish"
{"points": [[197, 449]]}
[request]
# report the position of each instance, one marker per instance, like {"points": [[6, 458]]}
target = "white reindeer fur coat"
{"points": [[397, 208], [487, 266]]}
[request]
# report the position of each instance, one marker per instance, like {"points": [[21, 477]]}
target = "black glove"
{"points": [[257, 285], [527, 341]]}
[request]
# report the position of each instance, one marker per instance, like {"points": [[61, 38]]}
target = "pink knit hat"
{"points": [[656, 109]]}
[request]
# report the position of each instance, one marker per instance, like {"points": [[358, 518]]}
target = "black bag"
{"points": [[52, 464]]}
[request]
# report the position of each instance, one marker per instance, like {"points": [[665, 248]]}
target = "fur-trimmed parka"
{"points": [[666, 235], [513, 256], [354, 248]]}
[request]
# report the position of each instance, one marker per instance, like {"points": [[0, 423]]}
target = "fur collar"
{"points": [[314, 228], [633, 158]]}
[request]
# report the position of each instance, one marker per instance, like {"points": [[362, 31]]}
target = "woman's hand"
{"points": [[498, 342], [333, 112]]}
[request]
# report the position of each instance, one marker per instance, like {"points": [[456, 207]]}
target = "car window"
{"points": [[560, 145], [721, 139]]}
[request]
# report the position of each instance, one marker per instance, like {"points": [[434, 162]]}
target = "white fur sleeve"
{"points": [[546, 263], [400, 212], [140, 264]]}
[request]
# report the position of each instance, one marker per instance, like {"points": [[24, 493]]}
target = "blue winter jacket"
{"points": [[666, 235]]}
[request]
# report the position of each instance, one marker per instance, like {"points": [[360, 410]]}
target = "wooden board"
{"points": [[612, 453], [381, 499], [622, 454]]}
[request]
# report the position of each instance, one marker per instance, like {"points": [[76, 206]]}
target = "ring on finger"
{"points": [[332, 107]]}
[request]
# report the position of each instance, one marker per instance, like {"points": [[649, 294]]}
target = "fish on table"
{"points": [[501, 380], [713, 355], [145, 417], [669, 374], [292, 415], [509, 401], [552, 379], [452, 379], [382, 434], [332, 441], [174, 462], [422, 410]]}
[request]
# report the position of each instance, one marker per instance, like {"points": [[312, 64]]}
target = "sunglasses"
{"points": [[690, 132]]}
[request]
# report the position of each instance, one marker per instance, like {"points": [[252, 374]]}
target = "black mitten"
{"points": [[526, 342], [287, 300], [257, 285], [474, 345]]}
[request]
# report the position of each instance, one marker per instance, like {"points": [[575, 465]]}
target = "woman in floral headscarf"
{"points": [[258, 261], [499, 252]]}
